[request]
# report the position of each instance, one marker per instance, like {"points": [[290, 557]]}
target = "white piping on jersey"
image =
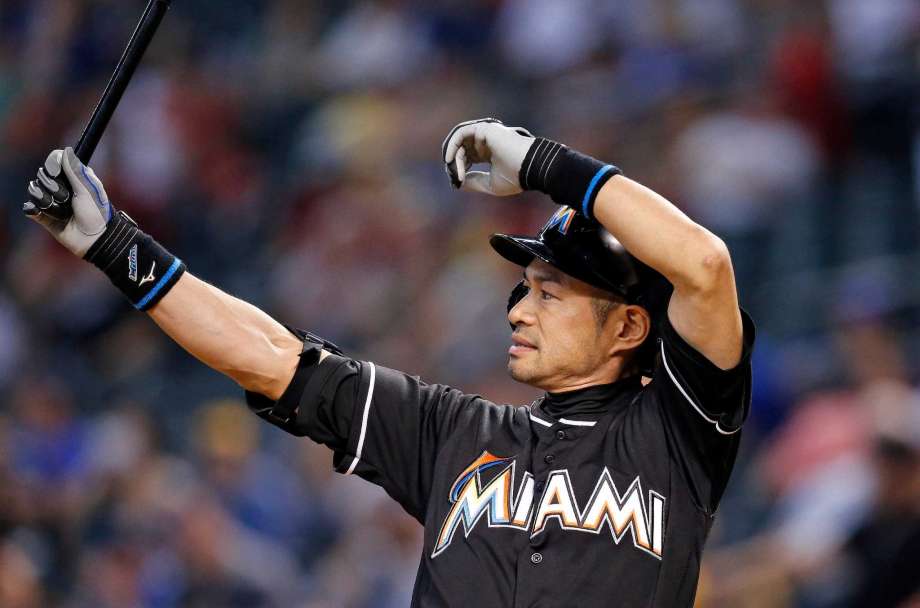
{"points": [[540, 421], [577, 422], [699, 411], [367, 409]]}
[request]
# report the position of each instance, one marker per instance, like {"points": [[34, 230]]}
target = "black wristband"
{"points": [[568, 177], [139, 266]]}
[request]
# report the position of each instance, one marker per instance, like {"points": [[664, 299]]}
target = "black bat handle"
{"points": [[114, 90]]}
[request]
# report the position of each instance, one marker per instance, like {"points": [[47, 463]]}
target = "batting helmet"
{"points": [[583, 249]]}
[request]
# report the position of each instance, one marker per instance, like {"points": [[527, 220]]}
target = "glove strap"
{"points": [[568, 177], [135, 263]]}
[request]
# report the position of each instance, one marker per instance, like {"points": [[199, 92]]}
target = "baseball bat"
{"points": [[130, 59]]}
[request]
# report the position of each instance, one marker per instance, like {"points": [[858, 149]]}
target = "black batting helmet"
{"points": [[583, 249]]}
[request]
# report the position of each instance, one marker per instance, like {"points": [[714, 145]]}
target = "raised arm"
{"points": [[227, 334], [704, 308]]}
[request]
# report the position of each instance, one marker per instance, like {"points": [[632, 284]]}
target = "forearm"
{"points": [[704, 306], [648, 226], [662, 236], [229, 335]]}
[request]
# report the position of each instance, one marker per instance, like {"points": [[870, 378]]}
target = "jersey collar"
{"points": [[590, 401]]}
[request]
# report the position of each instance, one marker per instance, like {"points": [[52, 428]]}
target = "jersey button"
{"points": [[549, 458], [560, 434], [540, 486], [536, 558]]}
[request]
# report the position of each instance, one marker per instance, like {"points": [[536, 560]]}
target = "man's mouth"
{"points": [[520, 345]]}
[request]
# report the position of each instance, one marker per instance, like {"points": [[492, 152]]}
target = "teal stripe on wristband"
{"points": [[589, 194], [160, 284]]}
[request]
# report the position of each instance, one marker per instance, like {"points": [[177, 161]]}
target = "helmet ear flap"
{"points": [[517, 294]]}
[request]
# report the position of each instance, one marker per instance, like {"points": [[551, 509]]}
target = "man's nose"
{"points": [[521, 312]]}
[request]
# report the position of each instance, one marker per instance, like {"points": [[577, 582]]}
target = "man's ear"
{"points": [[633, 325]]}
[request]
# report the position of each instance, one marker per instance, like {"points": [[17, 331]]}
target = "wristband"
{"points": [[568, 177], [135, 263]]}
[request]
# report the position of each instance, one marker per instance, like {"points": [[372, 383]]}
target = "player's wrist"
{"points": [[142, 269], [567, 176]]}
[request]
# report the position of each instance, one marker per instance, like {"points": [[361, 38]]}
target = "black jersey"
{"points": [[599, 497]]}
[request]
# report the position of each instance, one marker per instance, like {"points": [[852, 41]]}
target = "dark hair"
{"points": [[603, 306]]}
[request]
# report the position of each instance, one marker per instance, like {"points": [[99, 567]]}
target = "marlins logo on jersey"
{"points": [[607, 509]]}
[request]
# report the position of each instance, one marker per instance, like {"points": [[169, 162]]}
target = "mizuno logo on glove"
{"points": [[132, 268], [132, 264], [150, 276]]}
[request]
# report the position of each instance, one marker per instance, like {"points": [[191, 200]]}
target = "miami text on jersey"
{"points": [[619, 512]]}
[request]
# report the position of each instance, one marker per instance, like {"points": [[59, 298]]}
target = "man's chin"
{"points": [[519, 372]]}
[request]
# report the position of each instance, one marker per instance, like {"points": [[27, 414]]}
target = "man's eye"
{"points": [[545, 295]]}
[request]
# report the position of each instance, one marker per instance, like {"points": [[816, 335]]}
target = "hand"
{"points": [[69, 201], [486, 140]]}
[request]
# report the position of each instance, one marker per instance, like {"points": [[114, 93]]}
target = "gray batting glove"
{"points": [[489, 141], [66, 182]]}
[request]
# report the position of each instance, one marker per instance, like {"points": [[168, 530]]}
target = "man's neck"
{"points": [[567, 385]]}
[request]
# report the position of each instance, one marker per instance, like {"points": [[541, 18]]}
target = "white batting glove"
{"points": [[486, 140], [64, 181]]}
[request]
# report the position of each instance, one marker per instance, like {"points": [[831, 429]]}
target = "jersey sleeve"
{"points": [[382, 425], [703, 408]]}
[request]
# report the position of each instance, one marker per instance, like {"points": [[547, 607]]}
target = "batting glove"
{"points": [[486, 140], [69, 201], [519, 161]]}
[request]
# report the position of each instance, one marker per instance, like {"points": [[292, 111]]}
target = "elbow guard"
{"points": [[283, 413]]}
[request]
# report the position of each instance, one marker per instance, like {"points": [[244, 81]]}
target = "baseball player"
{"points": [[602, 492]]}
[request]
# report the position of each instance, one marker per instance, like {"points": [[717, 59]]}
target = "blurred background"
{"points": [[288, 150]]}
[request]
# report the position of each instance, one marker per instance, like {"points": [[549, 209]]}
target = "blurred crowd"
{"points": [[288, 150]]}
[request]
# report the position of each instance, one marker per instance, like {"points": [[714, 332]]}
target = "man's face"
{"points": [[560, 342]]}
